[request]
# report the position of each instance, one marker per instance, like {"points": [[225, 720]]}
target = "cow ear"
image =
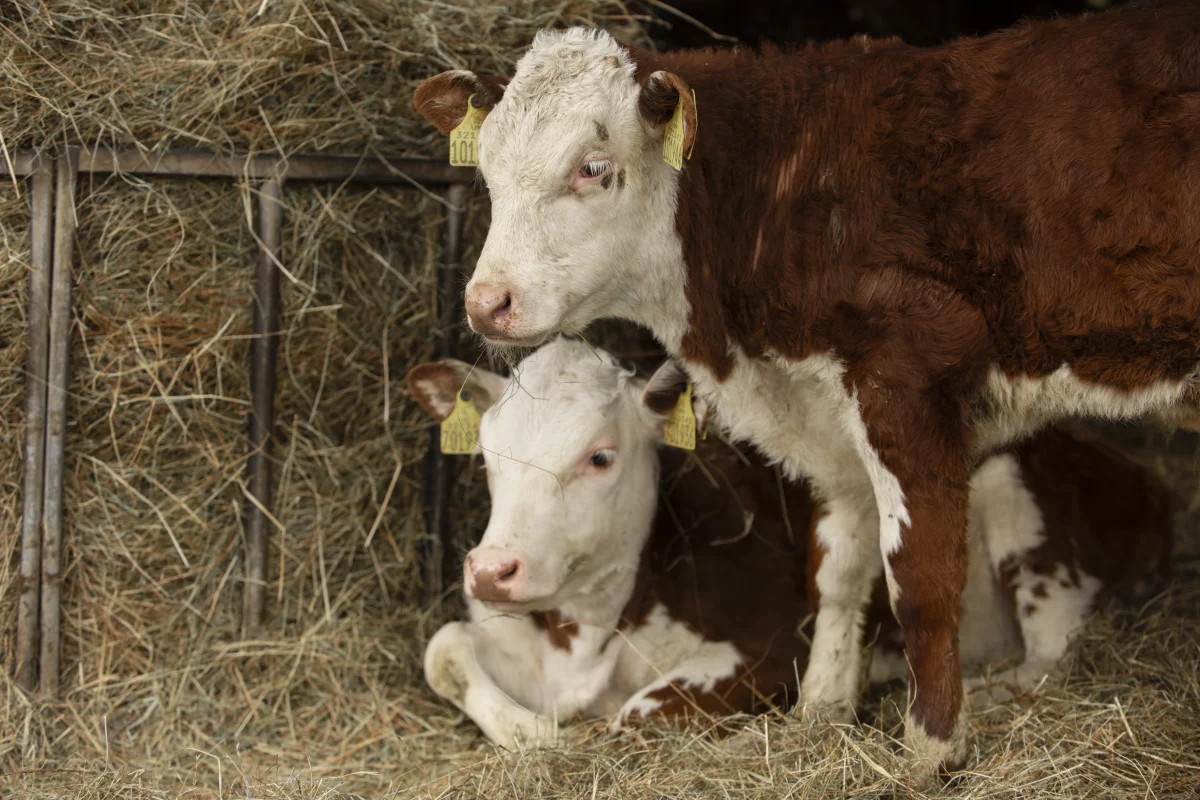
{"points": [[660, 94], [661, 394], [442, 99], [436, 384]]}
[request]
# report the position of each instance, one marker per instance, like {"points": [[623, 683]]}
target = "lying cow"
{"points": [[879, 265], [617, 578]]}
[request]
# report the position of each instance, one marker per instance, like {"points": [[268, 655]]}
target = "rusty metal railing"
{"points": [[52, 197]]}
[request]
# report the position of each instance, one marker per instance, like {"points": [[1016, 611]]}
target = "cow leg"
{"points": [[453, 671], [926, 566], [845, 554], [1050, 597], [918, 465], [713, 682]]}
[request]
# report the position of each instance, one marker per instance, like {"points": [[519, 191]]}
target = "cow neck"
{"points": [[599, 603], [758, 203]]}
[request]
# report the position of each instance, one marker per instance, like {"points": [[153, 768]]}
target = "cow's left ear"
{"points": [[660, 94], [442, 99], [661, 394]]}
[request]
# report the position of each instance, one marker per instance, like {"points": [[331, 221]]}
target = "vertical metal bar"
{"points": [[38, 313], [56, 415], [439, 469], [262, 421]]}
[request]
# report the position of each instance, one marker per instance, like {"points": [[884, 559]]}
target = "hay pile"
{"points": [[160, 698]]}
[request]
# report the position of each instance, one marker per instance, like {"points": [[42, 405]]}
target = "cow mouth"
{"points": [[509, 341]]}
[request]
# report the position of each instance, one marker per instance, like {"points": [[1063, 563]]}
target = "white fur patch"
{"points": [[849, 566], [1018, 406], [700, 673], [929, 753]]}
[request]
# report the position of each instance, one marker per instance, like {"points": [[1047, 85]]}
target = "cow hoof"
{"points": [[982, 695], [746, 742], [841, 711], [932, 759]]}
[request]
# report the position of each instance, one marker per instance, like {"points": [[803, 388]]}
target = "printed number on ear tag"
{"points": [[673, 136], [464, 140], [681, 425], [460, 430]]}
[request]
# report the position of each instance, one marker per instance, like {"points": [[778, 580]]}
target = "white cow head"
{"points": [[569, 445], [583, 204]]}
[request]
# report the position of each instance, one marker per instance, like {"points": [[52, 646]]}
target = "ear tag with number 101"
{"points": [[460, 430], [681, 425], [464, 140]]}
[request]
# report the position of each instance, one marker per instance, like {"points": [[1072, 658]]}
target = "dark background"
{"points": [[919, 22]]}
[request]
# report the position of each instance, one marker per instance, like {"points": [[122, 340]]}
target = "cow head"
{"points": [[569, 446], [583, 204]]}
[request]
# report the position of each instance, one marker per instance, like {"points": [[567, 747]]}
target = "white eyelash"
{"points": [[594, 169]]}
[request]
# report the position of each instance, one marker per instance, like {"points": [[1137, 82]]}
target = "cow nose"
{"points": [[493, 576], [489, 308]]}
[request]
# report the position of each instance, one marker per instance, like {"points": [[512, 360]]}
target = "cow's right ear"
{"points": [[436, 384], [661, 92], [442, 99]]}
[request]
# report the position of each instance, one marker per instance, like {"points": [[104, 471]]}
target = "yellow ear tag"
{"points": [[464, 140], [673, 136], [681, 425], [460, 430]]}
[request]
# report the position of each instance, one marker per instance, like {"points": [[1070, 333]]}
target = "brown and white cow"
{"points": [[615, 578], [879, 264]]}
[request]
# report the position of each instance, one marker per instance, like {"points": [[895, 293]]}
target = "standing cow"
{"points": [[879, 264], [618, 578]]}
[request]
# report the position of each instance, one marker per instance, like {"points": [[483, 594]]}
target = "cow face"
{"points": [[583, 204], [569, 446]]}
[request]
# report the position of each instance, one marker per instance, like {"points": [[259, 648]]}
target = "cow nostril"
{"points": [[502, 311], [508, 574]]}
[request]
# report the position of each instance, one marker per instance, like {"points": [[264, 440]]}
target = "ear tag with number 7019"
{"points": [[460, 430]]}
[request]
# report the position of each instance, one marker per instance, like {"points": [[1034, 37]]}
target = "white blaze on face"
{"points": [[571, 471], [582, 203], [569, 443]]}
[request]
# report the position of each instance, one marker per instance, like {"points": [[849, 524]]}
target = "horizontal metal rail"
{"points": [[198, 164]]}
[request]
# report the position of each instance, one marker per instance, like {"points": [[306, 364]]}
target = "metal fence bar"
{"points": [[44, 450], [439, 468], [262, 420], [38, 313], [56, 416], [278, 168], [20, 163]]}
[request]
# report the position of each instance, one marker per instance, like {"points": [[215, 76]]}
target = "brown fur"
{"points": [[1026, 199], [443, 98], [1103, 513], [559, 633], [748, 590]]}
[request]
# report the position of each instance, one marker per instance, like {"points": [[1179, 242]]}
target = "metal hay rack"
{"points": [[52, 234]]}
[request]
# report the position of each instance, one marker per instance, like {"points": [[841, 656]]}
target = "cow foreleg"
{"points": [[1051, 599], [920, 475], [844, 563], [926, 567], [713, 682], [454, 672]]}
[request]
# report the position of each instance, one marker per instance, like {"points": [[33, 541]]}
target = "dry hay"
{"points": [[160, 697]]}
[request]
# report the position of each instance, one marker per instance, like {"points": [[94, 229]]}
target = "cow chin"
{"points": [[511, 350]]}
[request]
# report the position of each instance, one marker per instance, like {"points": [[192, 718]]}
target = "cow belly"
{"points": [[1011, 408]]}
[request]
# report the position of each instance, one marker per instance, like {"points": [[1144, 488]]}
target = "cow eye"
{"points": [[594, 169], [602, 458]]}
